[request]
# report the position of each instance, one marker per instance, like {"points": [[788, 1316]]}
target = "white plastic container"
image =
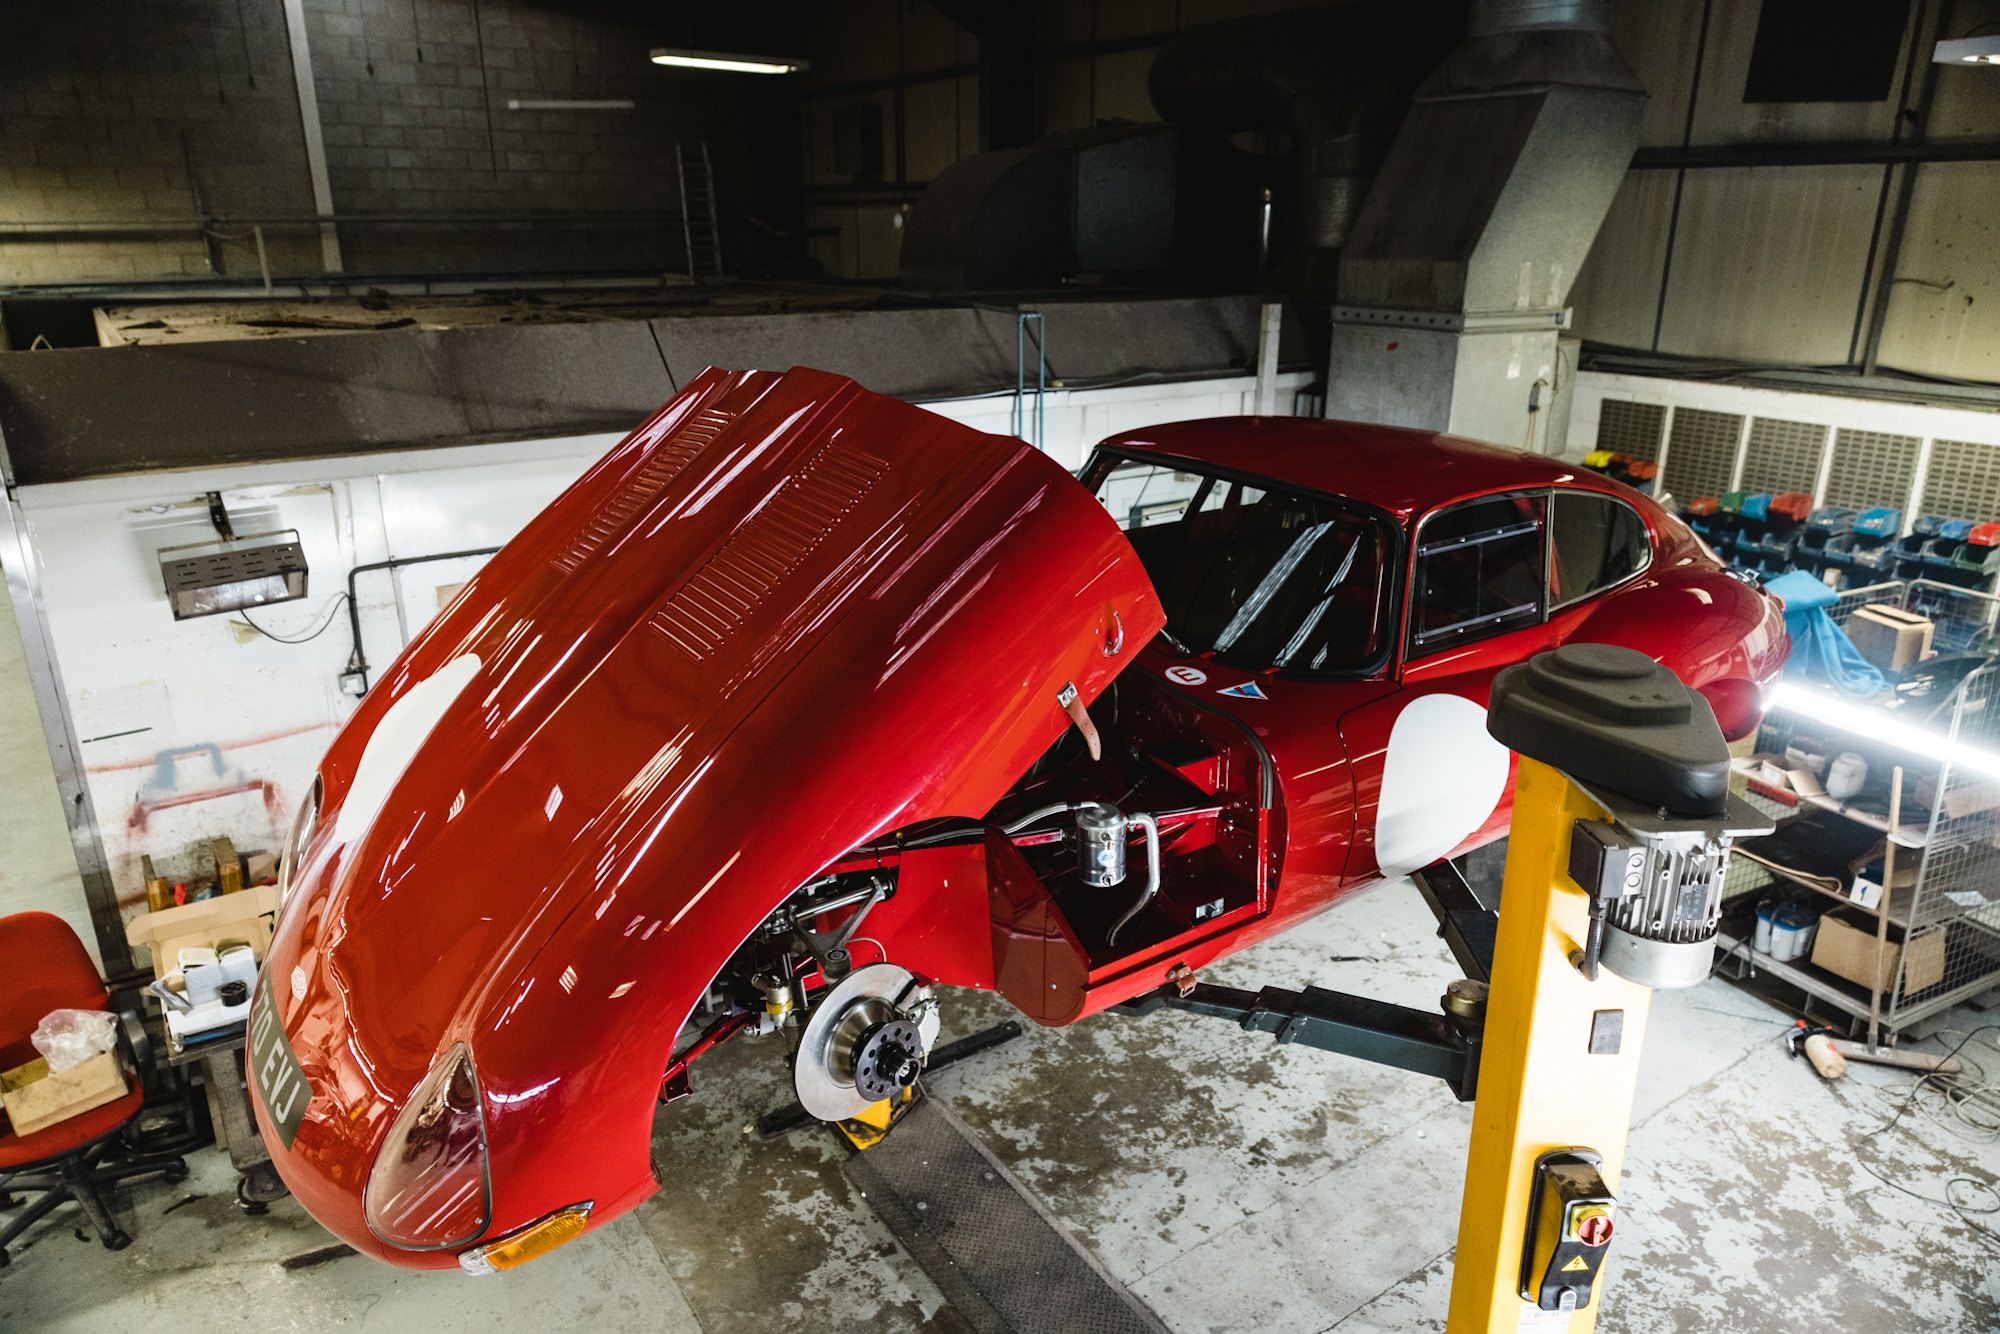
{"points": [[1792, 929], [1846, 776]]}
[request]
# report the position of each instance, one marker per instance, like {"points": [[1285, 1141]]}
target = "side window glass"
{"points": [[1598, 542], [1145, 495], [1479, 571]]}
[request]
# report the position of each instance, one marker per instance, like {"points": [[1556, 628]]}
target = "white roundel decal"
{"points": [[1186, 676], [1441, 779]]}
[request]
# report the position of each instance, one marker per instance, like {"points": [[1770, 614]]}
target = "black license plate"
{"points": [[274, 1071]]}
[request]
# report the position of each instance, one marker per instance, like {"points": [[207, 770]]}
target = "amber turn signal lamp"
{"points": [[517, 1248]]}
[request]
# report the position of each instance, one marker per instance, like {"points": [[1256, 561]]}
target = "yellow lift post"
{"points": [[1613, 887]]}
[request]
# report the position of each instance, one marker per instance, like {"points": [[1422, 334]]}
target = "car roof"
{"points": [[1407, 472]]}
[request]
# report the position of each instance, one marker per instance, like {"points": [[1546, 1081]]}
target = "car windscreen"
{"points": [[1260, 576]]}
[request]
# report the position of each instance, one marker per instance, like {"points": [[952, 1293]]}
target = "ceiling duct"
{"points": [[1332, 82], [1454, 280], [1095, 202], [1303, 103]]}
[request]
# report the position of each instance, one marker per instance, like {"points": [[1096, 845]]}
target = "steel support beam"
{"points": [[22, 570], [315, 139]]}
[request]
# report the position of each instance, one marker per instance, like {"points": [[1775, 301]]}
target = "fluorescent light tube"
{"points": [[1878, 725], [570, 104], [725, 62]]}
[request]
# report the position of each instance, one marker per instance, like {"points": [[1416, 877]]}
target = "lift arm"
{"points": [[1361, 1026]]}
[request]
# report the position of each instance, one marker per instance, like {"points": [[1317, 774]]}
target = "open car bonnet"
{"points": [[782, 618]]}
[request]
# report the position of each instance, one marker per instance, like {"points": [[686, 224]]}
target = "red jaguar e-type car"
{"points": [[804, 702]]}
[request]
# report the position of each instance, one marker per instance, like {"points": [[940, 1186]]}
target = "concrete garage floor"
{"points": [[1233, 1184]]}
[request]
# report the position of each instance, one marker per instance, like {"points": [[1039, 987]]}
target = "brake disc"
{"points": [[857, 1046]]}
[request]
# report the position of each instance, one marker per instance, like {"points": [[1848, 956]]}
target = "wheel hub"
{"points": [[888, 1060]]}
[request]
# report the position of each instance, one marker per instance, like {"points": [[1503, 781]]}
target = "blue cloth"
{"points": [[1821, 651]]}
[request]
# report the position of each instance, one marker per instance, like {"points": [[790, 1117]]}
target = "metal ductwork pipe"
{"points": [[1334, 81], [1495, 16], [1454, 282]]}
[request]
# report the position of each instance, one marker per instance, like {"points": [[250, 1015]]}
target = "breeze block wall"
{"points": [[147, 117]]}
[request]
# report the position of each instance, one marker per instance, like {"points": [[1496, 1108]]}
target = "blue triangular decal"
{"points": [[1248, 690]]}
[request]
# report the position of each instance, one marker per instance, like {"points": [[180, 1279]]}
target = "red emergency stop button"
{"points": [[1595, 1230]]}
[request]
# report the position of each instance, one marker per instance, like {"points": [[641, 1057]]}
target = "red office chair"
{"points": [[47, 969]]}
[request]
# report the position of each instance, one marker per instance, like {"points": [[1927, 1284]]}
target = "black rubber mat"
{"points": [[999, 1259]]}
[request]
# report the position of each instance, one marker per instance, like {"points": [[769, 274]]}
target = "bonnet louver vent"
{"points": [[719, 598], [644, 486]]}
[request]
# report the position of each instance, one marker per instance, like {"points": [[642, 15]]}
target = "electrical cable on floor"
{"points": [[325, 621], [1968, 1213], [1970, 1097]]}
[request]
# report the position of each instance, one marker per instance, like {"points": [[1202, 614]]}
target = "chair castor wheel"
{"points": [[256, 1188], [118, 1241]]}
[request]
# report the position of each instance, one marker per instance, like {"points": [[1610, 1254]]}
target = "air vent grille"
{"points": [[1963, 481], [1783, 456], [1871, 468], [1701, 452], [1626, 427]]}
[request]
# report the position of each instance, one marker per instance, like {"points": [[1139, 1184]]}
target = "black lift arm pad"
{"points": [[1614, 720]]}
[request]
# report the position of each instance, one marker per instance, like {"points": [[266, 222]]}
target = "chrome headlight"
{"points": [[304, 825]]}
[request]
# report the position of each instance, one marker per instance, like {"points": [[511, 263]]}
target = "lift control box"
{"points": [[1569, 1227]]}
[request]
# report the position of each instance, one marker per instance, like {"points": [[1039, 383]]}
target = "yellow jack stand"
{"points": [[1541, 1087], [875, 1122]]}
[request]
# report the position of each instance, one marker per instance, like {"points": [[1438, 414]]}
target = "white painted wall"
{"points": [[195, 728]]}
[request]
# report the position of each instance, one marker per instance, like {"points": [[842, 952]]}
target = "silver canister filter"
{"points": [[1100, 831]]}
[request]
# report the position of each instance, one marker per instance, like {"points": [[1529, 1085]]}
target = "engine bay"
{"points": [[1091, 866]]}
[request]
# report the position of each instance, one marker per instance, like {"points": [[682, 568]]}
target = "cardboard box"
{"points": [[1889, 637], [36, 1099], [248, 917], [1965, 796], [1845, 947], [1865, 876], [228, 866]]}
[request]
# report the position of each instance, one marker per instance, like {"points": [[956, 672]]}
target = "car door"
{"points": [[1428, 779]]}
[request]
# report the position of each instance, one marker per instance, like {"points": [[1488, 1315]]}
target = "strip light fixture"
{"points": [[1878, 725], [1968, 51], [726, 62], [571, 104]]}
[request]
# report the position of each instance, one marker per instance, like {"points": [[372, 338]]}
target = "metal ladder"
{"points": [[699, 225]]}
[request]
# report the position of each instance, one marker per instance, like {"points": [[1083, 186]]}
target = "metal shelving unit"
{"points": [[1956, 890]]}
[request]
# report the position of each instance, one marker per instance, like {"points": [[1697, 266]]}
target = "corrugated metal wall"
{"points": [[1778, 263]]}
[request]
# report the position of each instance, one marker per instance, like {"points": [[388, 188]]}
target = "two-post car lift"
{"points": [[1621, 826]]}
